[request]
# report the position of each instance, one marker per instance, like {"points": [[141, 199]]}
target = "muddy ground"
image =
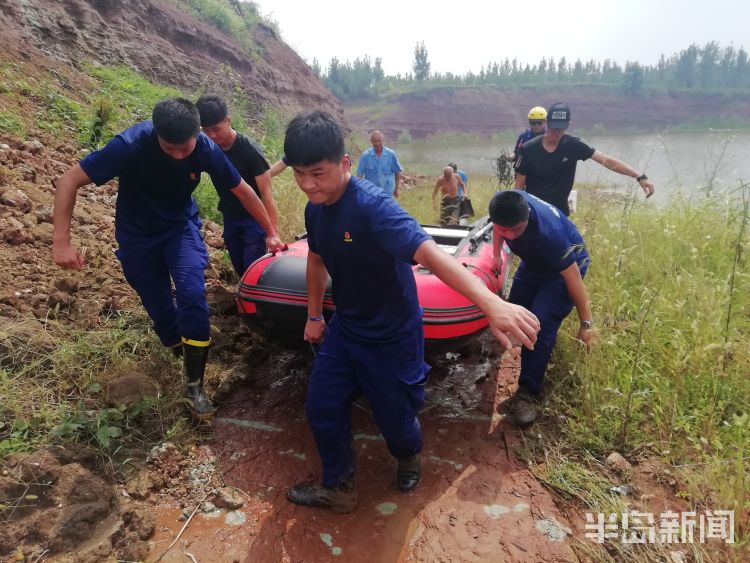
{"points": [[228, 481]]}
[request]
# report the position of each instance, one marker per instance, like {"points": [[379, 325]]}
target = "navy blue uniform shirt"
{"points": [[367, 242], [155, 192], [550, 242]]}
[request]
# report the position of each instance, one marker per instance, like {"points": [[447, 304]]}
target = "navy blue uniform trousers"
{"points": [[152, 262], [391, 375], [546, 295], [245, 240]]}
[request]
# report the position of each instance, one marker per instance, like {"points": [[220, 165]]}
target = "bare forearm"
{"points": [[577, 292], [616, 165], [66, 189], [252, 204], [266, 192], [520, 182], [317, 279]]}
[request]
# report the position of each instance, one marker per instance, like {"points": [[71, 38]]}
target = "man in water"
{"points": [[448, 185], [380, 165], [546, 165]]}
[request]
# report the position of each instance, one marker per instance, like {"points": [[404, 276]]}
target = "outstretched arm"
{"points": [[620, 167], [252, 204], [397, 189], [509, 323], [66, 189], [278, 167]]}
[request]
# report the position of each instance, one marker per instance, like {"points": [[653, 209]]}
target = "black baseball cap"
{"points": [[558, 116]]}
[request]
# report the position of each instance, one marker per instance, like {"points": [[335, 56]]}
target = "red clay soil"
{"points": [[476, 502]]}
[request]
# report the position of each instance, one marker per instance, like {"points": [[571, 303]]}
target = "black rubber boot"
{"points": [[409, 473], [177, 350], [195, 358], [341, 499]]}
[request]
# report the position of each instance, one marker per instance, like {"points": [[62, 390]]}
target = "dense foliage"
{"points": [[707, 68]]}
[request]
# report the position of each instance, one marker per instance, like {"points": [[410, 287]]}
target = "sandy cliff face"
{"points": [[163, 43]]}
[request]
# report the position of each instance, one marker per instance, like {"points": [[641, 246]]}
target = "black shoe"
{"points": [[341, 499], [195, 358], [409, 473], [523, 407]]}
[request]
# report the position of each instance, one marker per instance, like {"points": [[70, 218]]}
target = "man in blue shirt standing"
{"points": [[159, 164], [548, 282], [380, 165], [374, 344]]}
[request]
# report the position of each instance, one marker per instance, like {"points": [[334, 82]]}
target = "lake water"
{"points": [[671, 160]]}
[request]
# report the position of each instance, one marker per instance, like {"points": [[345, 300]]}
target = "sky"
{"points": [[463, 36]]}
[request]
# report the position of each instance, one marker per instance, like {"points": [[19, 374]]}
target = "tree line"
{"points": [[707, 68]]}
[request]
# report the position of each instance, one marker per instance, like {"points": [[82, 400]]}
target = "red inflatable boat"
{"points": [[273, 295]]}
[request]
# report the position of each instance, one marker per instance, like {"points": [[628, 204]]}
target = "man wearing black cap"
{"points": [[546, 166]]}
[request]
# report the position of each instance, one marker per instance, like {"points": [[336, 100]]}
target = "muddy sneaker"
{"points": [[341, 499], [523, 407], [409, 473]]}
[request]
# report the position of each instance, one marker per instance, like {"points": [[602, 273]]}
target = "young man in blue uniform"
{"points": [[244, 238], [546, 165], [380, 165], [374, 343], [159, 163], [548, 282]]}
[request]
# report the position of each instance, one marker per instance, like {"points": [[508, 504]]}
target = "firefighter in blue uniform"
{"points": [[548, 282], [374, 343], [159, 164]]}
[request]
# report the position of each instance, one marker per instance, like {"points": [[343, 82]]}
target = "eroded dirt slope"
{"points": [[163, 43]]}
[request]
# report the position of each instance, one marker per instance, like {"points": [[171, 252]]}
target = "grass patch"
{"points": [[11, 123], [62, 373]]}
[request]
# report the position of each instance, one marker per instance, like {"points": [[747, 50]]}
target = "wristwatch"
{"points": [[588, 325], [641, 178]]}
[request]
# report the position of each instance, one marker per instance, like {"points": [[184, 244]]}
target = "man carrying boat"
{"points": [[548, 282], [159, 163], [374, 344]]}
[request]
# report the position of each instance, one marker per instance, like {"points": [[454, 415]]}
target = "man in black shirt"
{"points": [[546, 166], [243, 236]]}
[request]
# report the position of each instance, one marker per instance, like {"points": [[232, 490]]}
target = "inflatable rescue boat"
{"points": [[273, 294]]}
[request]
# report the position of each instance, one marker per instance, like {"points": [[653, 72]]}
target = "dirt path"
{"points": [[476, 501]]}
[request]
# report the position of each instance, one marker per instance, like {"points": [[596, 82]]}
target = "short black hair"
{"points": [[454, 166], [313, 137], [509, 208], [212, 109], [176, 120]]}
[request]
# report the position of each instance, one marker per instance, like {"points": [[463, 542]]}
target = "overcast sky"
{"points": [[464, 35]]}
